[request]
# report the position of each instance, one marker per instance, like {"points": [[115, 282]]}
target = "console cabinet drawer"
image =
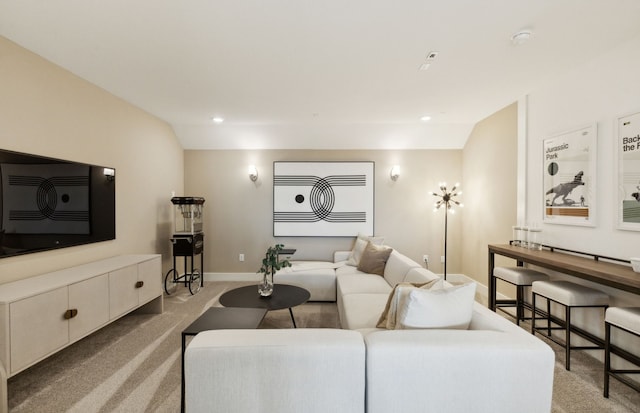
{"points": [[150, 274], [38, 327], [124, 294], [91, 301]]}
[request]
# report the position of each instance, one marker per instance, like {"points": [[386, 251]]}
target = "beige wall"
{"points": [[489, 175], [48, 111], [238, 212]]}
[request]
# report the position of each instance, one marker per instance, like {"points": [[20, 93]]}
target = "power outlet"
{"points": [[442, 259], [425, 258], [241, 257]]}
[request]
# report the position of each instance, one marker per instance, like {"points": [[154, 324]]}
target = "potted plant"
{"points": [[270, 264]]}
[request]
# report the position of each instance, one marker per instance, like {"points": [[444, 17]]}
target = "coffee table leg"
{"points": [[292, 319]]}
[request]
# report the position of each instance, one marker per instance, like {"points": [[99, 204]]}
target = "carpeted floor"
{"points": [[133, 365]]}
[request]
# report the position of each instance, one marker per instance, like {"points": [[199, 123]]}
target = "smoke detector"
{"points": [[431, 56]]}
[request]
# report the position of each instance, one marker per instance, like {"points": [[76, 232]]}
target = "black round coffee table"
{"points": [[283, 296]]}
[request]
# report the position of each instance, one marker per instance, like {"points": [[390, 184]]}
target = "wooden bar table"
{"points": [[596, 268]]}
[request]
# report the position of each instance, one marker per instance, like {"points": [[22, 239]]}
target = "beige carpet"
{"points": [[133, 365]]}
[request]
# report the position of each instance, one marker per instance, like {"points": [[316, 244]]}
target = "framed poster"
{"points": [[323, 199], [570, 177], [628, 171]]}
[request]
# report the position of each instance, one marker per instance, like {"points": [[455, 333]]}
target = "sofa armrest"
{"points": [[411, 369], [419, 275], [484, 319], [340, 256], [287, 371]]}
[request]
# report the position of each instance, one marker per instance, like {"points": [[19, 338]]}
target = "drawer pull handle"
{"points": [[139, 284], [69, 314]]}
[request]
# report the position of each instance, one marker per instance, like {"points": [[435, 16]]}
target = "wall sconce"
{"points": [[110, 173], [395, 172], [253, 173]]}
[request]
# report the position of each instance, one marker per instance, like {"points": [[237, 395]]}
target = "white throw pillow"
{"points": [[397, 299], [449, 308], [359, 246]]}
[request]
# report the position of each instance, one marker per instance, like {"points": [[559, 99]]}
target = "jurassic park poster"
{"points": [[628, 149], [569, 177]]}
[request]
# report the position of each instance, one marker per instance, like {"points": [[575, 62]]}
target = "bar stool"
{"points": [[569, 295], [626, 319], [520, 277]]}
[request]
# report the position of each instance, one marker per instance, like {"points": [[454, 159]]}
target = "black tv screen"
{"points": [[48, 203]]}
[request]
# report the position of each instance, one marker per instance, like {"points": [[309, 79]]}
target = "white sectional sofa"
{"points": [[493, 366]]}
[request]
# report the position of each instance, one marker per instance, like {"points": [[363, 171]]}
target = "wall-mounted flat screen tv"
{"points": [[48, 203]]}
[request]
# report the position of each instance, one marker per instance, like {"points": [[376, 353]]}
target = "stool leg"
{"points": [[548, 317], [567, 311], [533, 314], [607, 357], [492, 292], [519, 310]]}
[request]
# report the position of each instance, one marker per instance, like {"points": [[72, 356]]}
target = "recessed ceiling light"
{"points": [[521, 37], [425, 118], [217, 119]]}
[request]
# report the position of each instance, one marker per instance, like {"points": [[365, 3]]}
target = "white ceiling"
{"points": [[318, 74]]}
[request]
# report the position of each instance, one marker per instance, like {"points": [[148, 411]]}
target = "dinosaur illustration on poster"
{"points": [[564, 189]]}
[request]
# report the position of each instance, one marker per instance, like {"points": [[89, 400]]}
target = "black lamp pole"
{"points": [[446, 200], [446, 214]]}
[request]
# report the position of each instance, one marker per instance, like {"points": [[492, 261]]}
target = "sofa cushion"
{"points": [[359, 246], [396, 299], [374, 258], [397, 267], [275, 370], [362, 310], [440, 308], [318, 277], [347, 270], [456, 371], [361, 283]]}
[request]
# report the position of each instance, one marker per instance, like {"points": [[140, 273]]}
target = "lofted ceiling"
{"points": [[319, 74]]}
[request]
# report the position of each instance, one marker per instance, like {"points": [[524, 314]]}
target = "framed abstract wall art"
{"points": [[627, 152], [569, 181], [323, 198]]}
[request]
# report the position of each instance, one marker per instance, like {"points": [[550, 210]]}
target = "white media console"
{"points": [[43, 314]]}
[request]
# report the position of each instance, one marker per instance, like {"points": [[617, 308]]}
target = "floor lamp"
{"points": [[446, 199]]}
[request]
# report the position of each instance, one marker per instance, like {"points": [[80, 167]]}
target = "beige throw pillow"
{"points": [[397, 297], [359, 246], [356, 252], [374, 259], [448, 308]]}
